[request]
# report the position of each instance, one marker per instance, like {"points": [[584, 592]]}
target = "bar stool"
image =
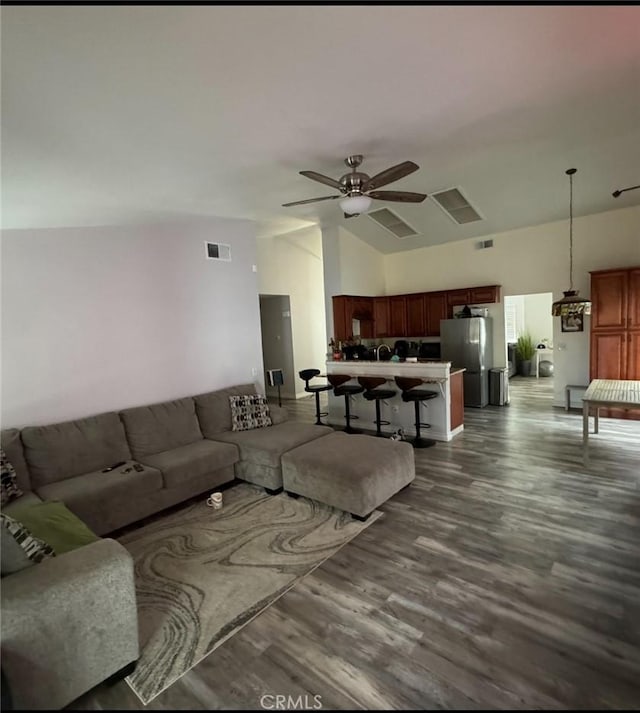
{"points": [[306, 375], [372, 393], [410, 393], [341, 388]]}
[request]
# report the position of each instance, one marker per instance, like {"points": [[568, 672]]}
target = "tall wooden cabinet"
{"points": [[615, 327]]}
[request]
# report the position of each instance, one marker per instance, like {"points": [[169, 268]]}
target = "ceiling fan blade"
{"points": [[401, 196], [321, 179], [390, 175], [311, 200], [351, 215]]}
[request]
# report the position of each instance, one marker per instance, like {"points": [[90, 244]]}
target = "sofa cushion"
{"points": [[64, 450], [9, 489], [12, 445], [56, 525], [214, 410], [28, 498], [180, 464], [249, 412], [161, 427], [90, 496], [264, 446]]}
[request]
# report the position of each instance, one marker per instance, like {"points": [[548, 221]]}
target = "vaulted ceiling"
{"points": [[127, 114]]}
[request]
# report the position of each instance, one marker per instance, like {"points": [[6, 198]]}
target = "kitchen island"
{"points": [[445, 413]]}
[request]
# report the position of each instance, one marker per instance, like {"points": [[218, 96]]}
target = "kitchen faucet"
{"points": [[379, 347]]}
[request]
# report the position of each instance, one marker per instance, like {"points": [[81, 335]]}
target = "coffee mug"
{"points": [[215, 501]]}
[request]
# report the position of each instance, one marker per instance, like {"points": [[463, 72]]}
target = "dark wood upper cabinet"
{"points": [[416, 322], [633, 309], [458, 297], [609, 299], [398, 316], [435, 310], [410, 315], [340, 318], [480, 295], [381, 321], [347, 308]]}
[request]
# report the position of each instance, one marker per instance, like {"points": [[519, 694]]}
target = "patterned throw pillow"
{"points": [[34, 548], [248, 412], [9, 489]]}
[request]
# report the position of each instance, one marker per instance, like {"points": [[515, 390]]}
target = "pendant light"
{"points": [[571, 303]]}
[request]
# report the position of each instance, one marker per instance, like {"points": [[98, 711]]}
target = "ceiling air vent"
{"points": [[484, 244], [456, 206], [218, 251], [392, 222]]}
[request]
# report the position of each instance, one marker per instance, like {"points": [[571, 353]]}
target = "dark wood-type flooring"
{"points": [[506, 576]]}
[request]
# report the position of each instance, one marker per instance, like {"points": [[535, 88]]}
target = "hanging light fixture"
{"points": [[355, 205], [571, 303]]}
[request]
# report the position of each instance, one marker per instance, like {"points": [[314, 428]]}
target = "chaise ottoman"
{"points": [[355, 473]]}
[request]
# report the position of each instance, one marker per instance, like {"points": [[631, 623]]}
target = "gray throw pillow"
{"points": [[248, 412], [9, 489]]}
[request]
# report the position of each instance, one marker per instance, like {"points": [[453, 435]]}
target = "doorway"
{"points": [[529, 316], [277, 343]]}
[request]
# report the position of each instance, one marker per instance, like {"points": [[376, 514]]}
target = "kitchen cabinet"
{"points": [[340, 318], [347, 308], [609, 299], [416, 322], [485, 295], [381, 322], [458, 297], [435, 310], [615, 329], [411, 315], [398, 316]]}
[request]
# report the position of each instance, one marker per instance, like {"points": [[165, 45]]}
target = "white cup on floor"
{"points": [[215, 501]]}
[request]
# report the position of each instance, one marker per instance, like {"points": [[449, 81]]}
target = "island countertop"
{"points": [[444, 413]]}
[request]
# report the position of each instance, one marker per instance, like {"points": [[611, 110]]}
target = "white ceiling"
{"points": [[127, 114]]}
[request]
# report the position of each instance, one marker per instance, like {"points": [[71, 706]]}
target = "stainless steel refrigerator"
{"points": [[468, 344]]}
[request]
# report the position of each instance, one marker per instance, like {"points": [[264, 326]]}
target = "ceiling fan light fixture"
{"points": [[571, 302], [355, 204]]}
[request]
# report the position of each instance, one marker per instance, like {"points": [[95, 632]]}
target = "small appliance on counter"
{"points": [[355, 352], [401, 348], [429, 350]]}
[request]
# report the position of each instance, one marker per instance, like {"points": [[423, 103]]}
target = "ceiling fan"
{"points": [[357, 188]]}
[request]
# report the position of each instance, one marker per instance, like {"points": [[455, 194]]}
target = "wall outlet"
{"points": [[395, 409], [254, 371]]}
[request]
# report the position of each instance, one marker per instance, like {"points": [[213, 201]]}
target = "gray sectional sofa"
{"points": [[186, 447]]}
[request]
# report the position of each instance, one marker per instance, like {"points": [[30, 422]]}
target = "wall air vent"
{"points": [[456, 206], [484, 244], [392, 222], [218, 251]]}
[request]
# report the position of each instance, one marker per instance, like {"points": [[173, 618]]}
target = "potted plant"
{"points": [[525, 350]]}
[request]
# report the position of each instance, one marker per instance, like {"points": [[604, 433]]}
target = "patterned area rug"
{"points": [[202, 574]]}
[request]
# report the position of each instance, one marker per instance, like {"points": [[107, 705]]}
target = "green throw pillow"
{"points": [[52, 522]]}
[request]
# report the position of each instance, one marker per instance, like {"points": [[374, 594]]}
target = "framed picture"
{"points": [[572, 323]]}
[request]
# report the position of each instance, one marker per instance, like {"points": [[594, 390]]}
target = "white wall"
{"points": [[362, 267], [538, 321], [351, 267], [291, 264], [529, 260], [98, 319]]}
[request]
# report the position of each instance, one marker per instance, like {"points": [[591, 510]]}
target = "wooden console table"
{"points": [[609, 393]]}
